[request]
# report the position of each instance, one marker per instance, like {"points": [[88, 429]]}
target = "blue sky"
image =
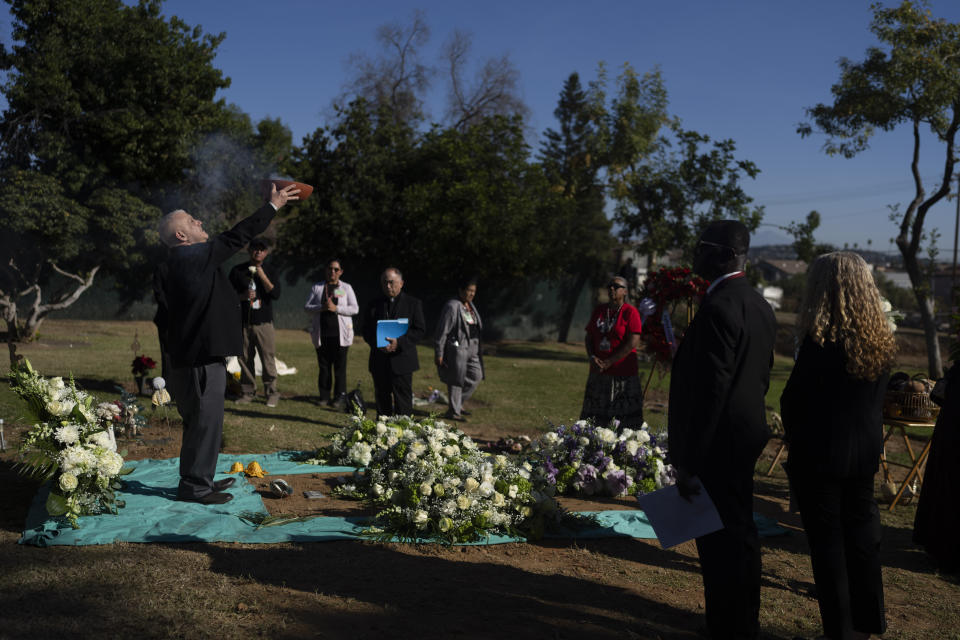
{"points": [[740, 69]]}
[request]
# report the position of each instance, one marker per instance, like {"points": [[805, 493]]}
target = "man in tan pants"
{"points": [[257, 286]]}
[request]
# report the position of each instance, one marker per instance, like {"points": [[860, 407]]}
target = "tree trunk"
{"points": [[570, 306], [921, 290], [9, 315]]}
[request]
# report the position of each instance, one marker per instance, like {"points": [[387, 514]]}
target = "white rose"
{"points": [[420, 518], [606, 435], [632, 447], [498, 499], [550, 438], [643, 436], [512, 491], [68, 482], [463, 502], [584, 441], [486, 489], [377, 490], [471, 485], [425, 489]]}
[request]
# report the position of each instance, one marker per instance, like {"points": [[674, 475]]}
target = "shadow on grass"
{"points": [[508, 351], [413, 592], [16, 497], [104, 389]]}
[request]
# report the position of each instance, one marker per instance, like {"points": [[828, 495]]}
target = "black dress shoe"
{"points": [[226, 483], [464, 412], [215, 497]]}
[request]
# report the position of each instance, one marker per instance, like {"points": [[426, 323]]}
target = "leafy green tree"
{"points": [[105, 103], [573, 159], [358, 169], [806, 247], [666, 199], [912, 79], [449, 203]]}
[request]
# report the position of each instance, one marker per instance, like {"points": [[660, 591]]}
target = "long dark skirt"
{"points": [[613, 397]]}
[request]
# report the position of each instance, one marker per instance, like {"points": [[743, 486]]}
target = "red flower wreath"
{"points": [[667, 287]]}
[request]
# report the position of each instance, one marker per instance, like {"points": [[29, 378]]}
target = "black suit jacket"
{"points": [[198, 312], [720, 376], [404, 359], [833, 421]]}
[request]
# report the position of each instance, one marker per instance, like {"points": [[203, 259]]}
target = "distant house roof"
{"points": [[788, 267]]}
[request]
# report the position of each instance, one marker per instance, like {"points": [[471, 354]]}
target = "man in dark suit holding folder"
{"points": [[392, 366], [717, 423]]}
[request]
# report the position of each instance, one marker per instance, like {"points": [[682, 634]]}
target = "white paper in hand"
{"points": [[675, 520]]}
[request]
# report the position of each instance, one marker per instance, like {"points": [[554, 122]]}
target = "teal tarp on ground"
{"points": [[153, 514]]}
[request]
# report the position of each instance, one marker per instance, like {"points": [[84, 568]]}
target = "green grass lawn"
{"points": [[528, 387]]}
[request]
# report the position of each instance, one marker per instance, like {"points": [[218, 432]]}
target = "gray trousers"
{"points": [[198, 392], [459, 394], [258, 337]]}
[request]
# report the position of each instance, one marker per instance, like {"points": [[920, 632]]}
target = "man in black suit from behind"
{"points": [[392, 366], [717, 423], [198, 317]]}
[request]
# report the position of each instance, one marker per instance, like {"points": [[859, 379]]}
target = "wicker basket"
{"points": [[910, 405]]}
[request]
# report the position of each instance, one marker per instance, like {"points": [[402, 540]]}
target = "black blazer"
{"points": [[833, 421], [198, 312], [720, 376], [404, 359]]}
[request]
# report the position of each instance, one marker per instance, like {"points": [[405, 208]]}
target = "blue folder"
{"points": [[391, 329]]}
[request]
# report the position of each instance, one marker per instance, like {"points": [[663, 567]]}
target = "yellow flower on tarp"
{"points": [[254, 470]]}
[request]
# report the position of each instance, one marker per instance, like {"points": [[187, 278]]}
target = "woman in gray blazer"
{"points": [[457, 349]]}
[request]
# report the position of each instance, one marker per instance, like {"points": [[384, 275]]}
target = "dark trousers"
{"points": [[394, 392], [842, 523], [331, 357], [730, 558], [198, 392]]}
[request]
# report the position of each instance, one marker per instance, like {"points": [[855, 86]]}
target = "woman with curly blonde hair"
{"points": [[832, 416]]}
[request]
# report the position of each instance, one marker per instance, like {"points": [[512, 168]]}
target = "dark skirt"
{"points": [[613, 397]]}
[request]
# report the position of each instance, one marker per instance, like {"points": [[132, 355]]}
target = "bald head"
{"points": [[180, 228]]}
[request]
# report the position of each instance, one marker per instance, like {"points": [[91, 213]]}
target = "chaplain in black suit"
{"points": [[717, 423], [392, 366], [198, 316]]}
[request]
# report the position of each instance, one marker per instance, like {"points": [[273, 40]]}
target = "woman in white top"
{"points": [[333, 304]]}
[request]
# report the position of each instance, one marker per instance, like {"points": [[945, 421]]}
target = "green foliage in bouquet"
{"points": [[71, 445]]}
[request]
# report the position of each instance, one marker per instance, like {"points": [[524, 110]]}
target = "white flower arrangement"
{"points": [[71, 445], [432, 482], [584, 459]]}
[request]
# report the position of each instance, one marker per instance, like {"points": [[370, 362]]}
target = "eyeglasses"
{"points": [[701, 246], [615, 285]]}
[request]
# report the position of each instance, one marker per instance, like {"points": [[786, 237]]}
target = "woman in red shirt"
{"points": [[613, 388]]}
